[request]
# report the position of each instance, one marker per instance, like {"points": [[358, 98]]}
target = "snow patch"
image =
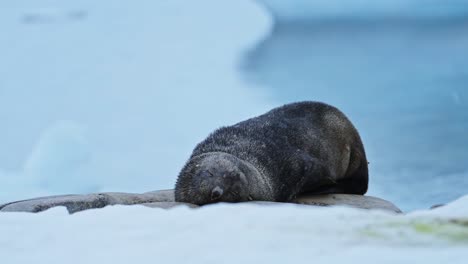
{"points": [[234, 233]]}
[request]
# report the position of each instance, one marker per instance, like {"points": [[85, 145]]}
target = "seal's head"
{"points": [[213, 177]]}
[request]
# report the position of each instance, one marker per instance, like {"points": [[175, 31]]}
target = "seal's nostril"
{"points": [[216, 193]]}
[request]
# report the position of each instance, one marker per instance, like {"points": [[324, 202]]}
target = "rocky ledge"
{"points": [[165, 199]]}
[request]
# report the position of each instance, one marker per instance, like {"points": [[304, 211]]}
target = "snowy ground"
{"points": [[240, 233]]}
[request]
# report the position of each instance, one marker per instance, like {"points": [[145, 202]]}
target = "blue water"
{"points": [[404, 83]]}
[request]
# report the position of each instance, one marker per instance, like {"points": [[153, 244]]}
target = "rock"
{"points": [[73, 203], [165, 199], [163, 195], [358, 201], [76, 203]]}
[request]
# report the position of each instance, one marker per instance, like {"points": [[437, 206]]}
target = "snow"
{"points": [[101, 96], [236, 233]]}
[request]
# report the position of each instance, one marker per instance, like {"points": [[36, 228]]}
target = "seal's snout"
{"points": [[216, 193]]}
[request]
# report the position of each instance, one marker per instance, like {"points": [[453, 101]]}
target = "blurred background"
{"points": [[101, 96]]}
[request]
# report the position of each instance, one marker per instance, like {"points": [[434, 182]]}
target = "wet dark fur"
{"points": [[305, 147]]}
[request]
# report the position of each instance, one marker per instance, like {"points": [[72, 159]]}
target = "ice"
{"points": [[55, 165], [57, 158], [15, 186], [147, 80], [235, 233]]}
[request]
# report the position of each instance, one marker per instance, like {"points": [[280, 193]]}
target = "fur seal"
{"points": [[303, 147]]}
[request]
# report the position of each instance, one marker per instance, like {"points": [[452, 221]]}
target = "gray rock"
{"points": [[165, 199], [76, 203], [358, 201], [162, 195]]}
